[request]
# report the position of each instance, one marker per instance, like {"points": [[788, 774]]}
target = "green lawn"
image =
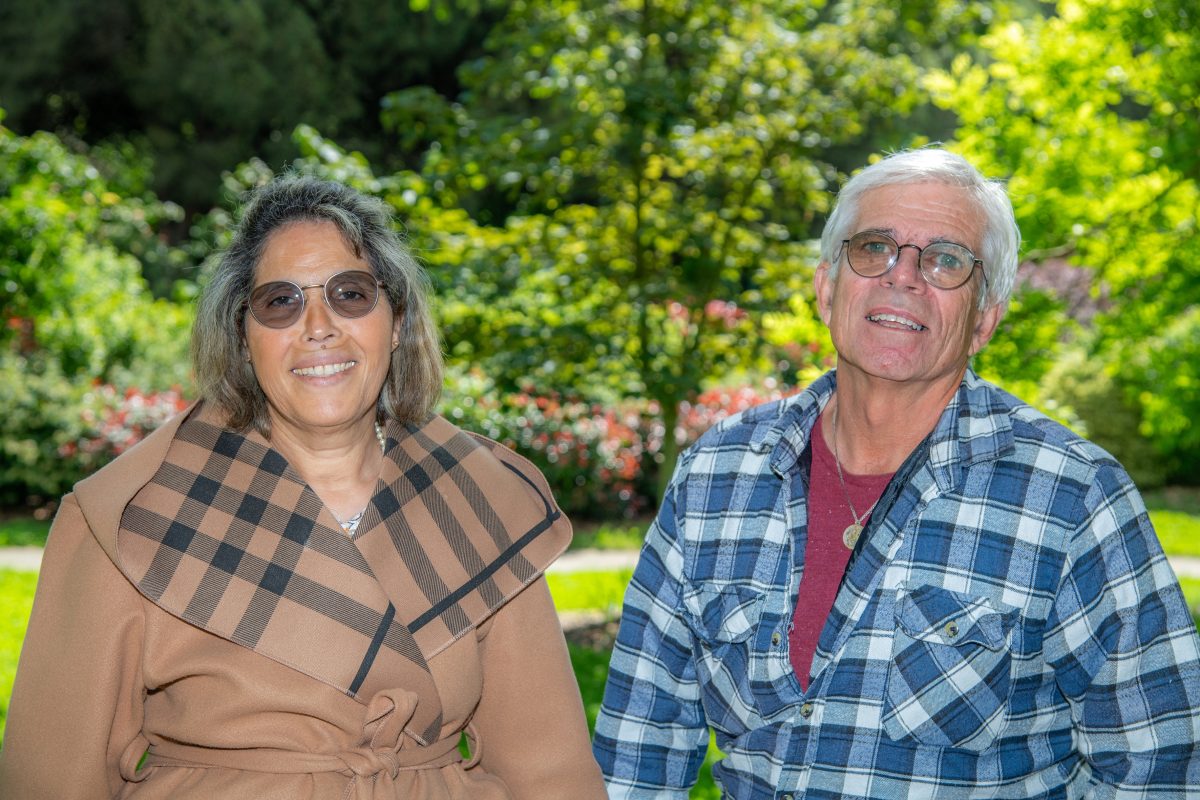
{"points": [[16, 600]]}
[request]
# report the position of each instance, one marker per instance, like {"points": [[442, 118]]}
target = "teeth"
{"points": [[324, 370], [908, 323]]}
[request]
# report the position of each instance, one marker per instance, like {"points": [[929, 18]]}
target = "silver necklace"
{"points": [[351, 525], [854, 529]]}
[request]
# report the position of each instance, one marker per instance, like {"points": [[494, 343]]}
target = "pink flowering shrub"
{"points": [[601, 460], [114, 421]]}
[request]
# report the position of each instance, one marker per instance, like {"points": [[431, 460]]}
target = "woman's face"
{"points": [[324, 372]]}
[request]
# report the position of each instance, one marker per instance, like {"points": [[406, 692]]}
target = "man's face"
{"points": [[896, 326]]}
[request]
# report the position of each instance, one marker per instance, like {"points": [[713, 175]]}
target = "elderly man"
{"points": [[904, 582]]}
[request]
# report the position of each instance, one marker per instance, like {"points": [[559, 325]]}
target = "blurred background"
{"points": [[616, 202]]}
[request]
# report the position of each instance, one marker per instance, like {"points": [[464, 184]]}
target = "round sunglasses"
{"points": [[349, 294]]}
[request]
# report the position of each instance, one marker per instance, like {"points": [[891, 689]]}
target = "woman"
{"points": [[305, 586]]}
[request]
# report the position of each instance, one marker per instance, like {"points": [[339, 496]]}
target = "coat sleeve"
{"points": [[76, 708], [530, 727]]}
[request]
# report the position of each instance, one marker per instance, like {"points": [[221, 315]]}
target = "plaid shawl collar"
{"points": [[228, 537]]}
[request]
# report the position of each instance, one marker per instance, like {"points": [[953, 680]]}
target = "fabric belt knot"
{"points": [[367, 763]]}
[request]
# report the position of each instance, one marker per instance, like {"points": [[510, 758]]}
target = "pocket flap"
{"points": [[728, 614], [931, 613]]}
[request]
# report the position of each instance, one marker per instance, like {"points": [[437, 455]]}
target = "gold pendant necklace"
{"points": [[854, 529]]}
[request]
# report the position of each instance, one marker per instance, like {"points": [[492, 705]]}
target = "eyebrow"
{"points": [[935, 240]]}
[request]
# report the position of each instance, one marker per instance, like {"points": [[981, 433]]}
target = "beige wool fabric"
{"points": [[197, 601]]}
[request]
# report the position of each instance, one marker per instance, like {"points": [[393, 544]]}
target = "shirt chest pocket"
{"points": [[732, 638], [950, 675]]}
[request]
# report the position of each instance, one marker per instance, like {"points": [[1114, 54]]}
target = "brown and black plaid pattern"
{"points": [[228, 537]]}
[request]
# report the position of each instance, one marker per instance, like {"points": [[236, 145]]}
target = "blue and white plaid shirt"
{"points": [[1010, 629]]}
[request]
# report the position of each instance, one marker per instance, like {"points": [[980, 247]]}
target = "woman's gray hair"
{"points": [[224, 376], [1001, 236]]}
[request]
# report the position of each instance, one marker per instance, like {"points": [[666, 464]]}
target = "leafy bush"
{"points": [[1100, 410], [57, 430], [600, 459]]}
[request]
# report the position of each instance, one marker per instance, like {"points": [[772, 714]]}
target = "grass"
{"points": [[593, 535], [589, 591], [16, 601]]}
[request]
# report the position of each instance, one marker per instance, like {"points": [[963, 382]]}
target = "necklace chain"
{"points": [[351, 525], [853, 530]]}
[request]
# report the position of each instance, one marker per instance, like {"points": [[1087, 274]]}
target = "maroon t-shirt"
{"points": [[825, 555]]}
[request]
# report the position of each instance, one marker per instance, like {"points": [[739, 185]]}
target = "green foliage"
{"points": [[1088, 395], [1094, 114], [204, 84], [41, 409], [650, 174], [1164, 376], [1030, 339], [608, 536], [75, 307], [24, 532]]}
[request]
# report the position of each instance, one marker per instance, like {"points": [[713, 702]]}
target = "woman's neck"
{"points": [[342, 467]]}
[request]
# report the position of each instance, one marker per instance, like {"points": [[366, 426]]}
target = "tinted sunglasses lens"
{"points": [[277, 304], [352, 294]]}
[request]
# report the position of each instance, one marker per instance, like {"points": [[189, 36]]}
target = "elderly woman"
{"points": [[307, 585]]}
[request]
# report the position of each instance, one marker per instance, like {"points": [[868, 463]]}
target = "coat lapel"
{"points": [[229, 538], [459, 525]]}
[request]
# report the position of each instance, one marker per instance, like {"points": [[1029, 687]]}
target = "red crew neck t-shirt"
{"points": [[825, 556]]}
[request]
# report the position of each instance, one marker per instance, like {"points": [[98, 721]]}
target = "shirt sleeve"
{"points": [[76, 711], [1125, 650], [651, 733]]}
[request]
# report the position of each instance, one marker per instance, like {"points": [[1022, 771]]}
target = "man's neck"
{"points": [[876, 423]]}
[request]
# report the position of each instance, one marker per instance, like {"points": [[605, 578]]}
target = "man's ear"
{"points": [[985, 326], [823, 285]]}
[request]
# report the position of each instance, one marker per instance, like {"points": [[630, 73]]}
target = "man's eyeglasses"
{"points": [[350, 294], [944, 265]]}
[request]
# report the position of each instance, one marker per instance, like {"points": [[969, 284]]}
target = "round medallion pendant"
{"points": [[850, 535]]}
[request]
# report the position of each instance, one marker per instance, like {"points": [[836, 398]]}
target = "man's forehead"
{"points": [[932, 211]]}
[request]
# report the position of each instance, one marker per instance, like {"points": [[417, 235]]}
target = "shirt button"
{"points": [[951, 629], [776, 638], [806, 710]]}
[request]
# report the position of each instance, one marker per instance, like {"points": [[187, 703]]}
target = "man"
{"points": [[903, 582]]}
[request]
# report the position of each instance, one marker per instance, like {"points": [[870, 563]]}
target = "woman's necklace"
{"points": [[854, 529], [351, 525]]}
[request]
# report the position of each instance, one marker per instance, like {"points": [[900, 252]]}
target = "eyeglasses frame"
{"points": [[324, 287], [892, 262]]}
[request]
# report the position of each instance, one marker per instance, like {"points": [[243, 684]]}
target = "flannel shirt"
{"points": [[1010, 627]]}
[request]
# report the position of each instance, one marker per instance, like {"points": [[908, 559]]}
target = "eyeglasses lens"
{"points": [[350, 294], [943, 264]]}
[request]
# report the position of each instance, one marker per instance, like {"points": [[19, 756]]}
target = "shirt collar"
{"points": [[972, 428]]}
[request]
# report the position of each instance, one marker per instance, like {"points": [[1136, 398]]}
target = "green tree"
{"points": [[653, 171], [203, 85], [1094, 113], [75, 307]]}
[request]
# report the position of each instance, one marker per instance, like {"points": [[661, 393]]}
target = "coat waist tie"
{"points": [[356, 762]]}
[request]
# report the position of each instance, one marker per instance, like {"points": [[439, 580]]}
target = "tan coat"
{"points": [[198, 606]]}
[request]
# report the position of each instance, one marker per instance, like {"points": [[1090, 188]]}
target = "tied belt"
{"points": [[385, 752], [357, 762]]}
